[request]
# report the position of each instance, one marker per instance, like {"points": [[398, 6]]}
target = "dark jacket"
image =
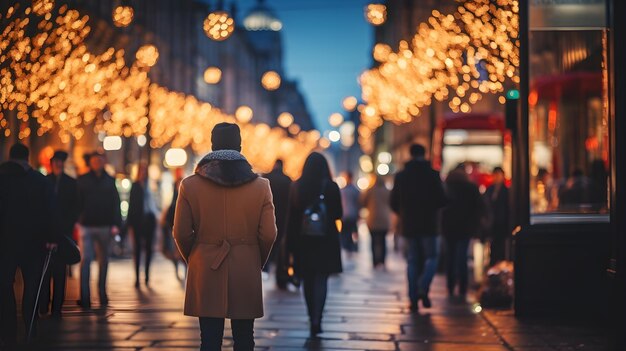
{"points": [[498, 205], [98, 200], [66, 192], [311, 255], [462, 217], [416, 197], [26, 211], [280, 185], [136, 206]]}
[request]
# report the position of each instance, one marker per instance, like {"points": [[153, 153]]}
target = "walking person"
{"points": [[167, 223], [350, 203], [280, 184], [224, 228], [66, 195], [497, 197], [100, 219], [27, 229], [376, 200], [142, 222], [312, 235], [416, 197], [460, 221]]}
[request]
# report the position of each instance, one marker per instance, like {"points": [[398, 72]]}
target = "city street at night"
{"points": [[377, 175]]}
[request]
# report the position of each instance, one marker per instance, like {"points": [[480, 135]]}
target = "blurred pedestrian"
{"points": [[460, 221], [280, 184], [225, 227], [312, 235], [350, 203], [66, 196], [141, 221], [27, 228], [167, 223], [376, 200], [100, 219], [497, 196], [416, 197]]}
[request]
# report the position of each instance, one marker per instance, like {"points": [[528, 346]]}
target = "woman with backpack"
{"points": [[312, 235]]}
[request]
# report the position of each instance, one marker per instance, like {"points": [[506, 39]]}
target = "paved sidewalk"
{"points": [[366, 310]]}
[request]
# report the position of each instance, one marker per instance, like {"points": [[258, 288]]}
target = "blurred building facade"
{"points": [[175, 28]]}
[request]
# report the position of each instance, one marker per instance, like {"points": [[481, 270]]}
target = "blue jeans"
{"points": [[422, 256], [456, 264], [212, 333], [95, 243]]}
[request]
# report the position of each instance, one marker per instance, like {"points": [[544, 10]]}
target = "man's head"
{"points": [[19, 152], [57, 162], [96, 162], [498, 175], [417, 151], [226, 136]]}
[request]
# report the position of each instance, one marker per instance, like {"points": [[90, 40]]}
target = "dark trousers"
{"points": [[212, 333], [315, 286], [347, 241], [456, 264], [30, 265], [379, 246], [144, 239], [57, 273]]}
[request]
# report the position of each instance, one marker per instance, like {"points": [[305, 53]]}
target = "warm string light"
{"points": [[271, 80], [123, 16], [52, 77], [376, 14], [455, 58], [219, 25]]}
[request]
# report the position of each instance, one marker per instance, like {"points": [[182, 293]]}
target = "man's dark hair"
{"points": [[19, 152], [498, 170], [417, 150]]}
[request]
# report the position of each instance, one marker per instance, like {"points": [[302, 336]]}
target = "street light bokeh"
{"points": [[271, 80], [123, 16], [349, 103], [147, 55], [244, 114], [285, 119], [175, 157], [335, 119], [219, 25], [376, 14], [212, 75], [41, 7]]}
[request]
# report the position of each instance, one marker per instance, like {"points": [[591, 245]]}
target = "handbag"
{"points": [[68, 251]]}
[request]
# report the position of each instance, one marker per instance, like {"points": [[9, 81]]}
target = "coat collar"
{"points": [[226, 168]]}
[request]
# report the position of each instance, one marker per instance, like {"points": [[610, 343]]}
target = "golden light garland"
{"points": [[456, 58], [271, 80], [52, 77], [212, 75], [376, 14]]}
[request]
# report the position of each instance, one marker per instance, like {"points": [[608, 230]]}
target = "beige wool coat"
{"points": [[224, 227]]}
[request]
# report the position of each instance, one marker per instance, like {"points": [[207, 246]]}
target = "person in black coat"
{"points": [[460, 221], [27, 229], [280, 184], [417, 196], [100, 219], [142, 221], [497, 197], [315, 257], [170, 251], [66, 194]]}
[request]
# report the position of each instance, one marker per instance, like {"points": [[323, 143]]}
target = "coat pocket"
{"points": [[221, 255]]}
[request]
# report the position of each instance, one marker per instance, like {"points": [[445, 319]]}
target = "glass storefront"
{"points": [[568, 107]]}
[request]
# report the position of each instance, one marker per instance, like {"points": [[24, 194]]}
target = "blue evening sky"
{"points": [[327, 44]]}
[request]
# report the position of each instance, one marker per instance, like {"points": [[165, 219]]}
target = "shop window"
{"points": [[568, 108]]}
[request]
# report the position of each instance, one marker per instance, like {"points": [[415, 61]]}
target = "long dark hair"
{"points": [[314, 173]]}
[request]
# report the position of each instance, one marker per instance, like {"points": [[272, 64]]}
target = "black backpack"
{"points": [[314, 220]]}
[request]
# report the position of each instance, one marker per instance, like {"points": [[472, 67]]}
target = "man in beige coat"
{"points": [[224, 228]]}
